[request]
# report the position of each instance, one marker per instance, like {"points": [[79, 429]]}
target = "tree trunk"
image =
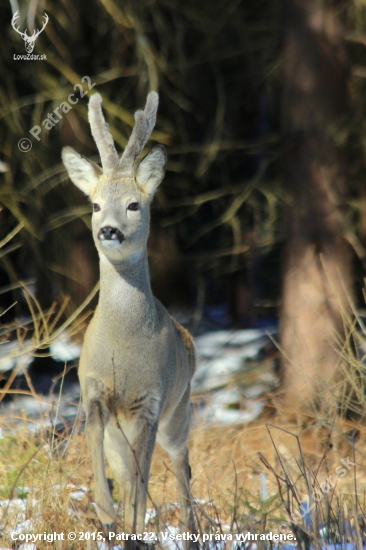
{"points": [[317, 269]]}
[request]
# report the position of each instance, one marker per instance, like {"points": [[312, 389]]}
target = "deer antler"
{"points": [[102, 135], [44, 24], [14, 18], [144, 125]]}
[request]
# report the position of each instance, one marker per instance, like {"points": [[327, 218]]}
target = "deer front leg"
{"points": [[94, 431], [140, 454], [130, 460]]}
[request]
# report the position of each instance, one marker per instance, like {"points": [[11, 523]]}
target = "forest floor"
{"points": [[244, 479], [250, 473]]}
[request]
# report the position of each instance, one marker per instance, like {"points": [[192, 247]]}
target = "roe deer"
{"points": [[137, 361]]}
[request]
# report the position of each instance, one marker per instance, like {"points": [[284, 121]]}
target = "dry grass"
{"points": [[44, 470]]}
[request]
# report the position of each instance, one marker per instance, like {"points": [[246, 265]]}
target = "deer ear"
{"points": [[151, 169], [82, 172]]}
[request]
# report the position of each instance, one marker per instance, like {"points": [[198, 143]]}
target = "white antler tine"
{"points": [[43, 26], [144, 125], [14, 19], [102, 135]]}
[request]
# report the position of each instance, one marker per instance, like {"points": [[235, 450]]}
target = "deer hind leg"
{"points": [[130, 459], [96, 414], [182, 470], [172, 436]]}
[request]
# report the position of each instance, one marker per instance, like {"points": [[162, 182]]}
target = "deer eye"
{"points": [[133, 206], [96, 207]]}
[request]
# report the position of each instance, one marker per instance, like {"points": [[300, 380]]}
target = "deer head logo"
{"points": [[29, 40]]}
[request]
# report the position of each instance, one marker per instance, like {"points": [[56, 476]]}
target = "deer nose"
{"points": [[109, 233]]}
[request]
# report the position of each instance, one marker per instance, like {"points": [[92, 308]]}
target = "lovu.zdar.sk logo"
{"points": [[29, 41]]}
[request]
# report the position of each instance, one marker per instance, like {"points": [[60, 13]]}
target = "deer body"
{"points": [[137, 362]]}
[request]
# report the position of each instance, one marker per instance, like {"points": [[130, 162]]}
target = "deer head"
{"points": [[121, 191], [29, 40]]}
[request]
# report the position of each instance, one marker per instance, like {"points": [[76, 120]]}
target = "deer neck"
{"points": [[125, 290]]}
